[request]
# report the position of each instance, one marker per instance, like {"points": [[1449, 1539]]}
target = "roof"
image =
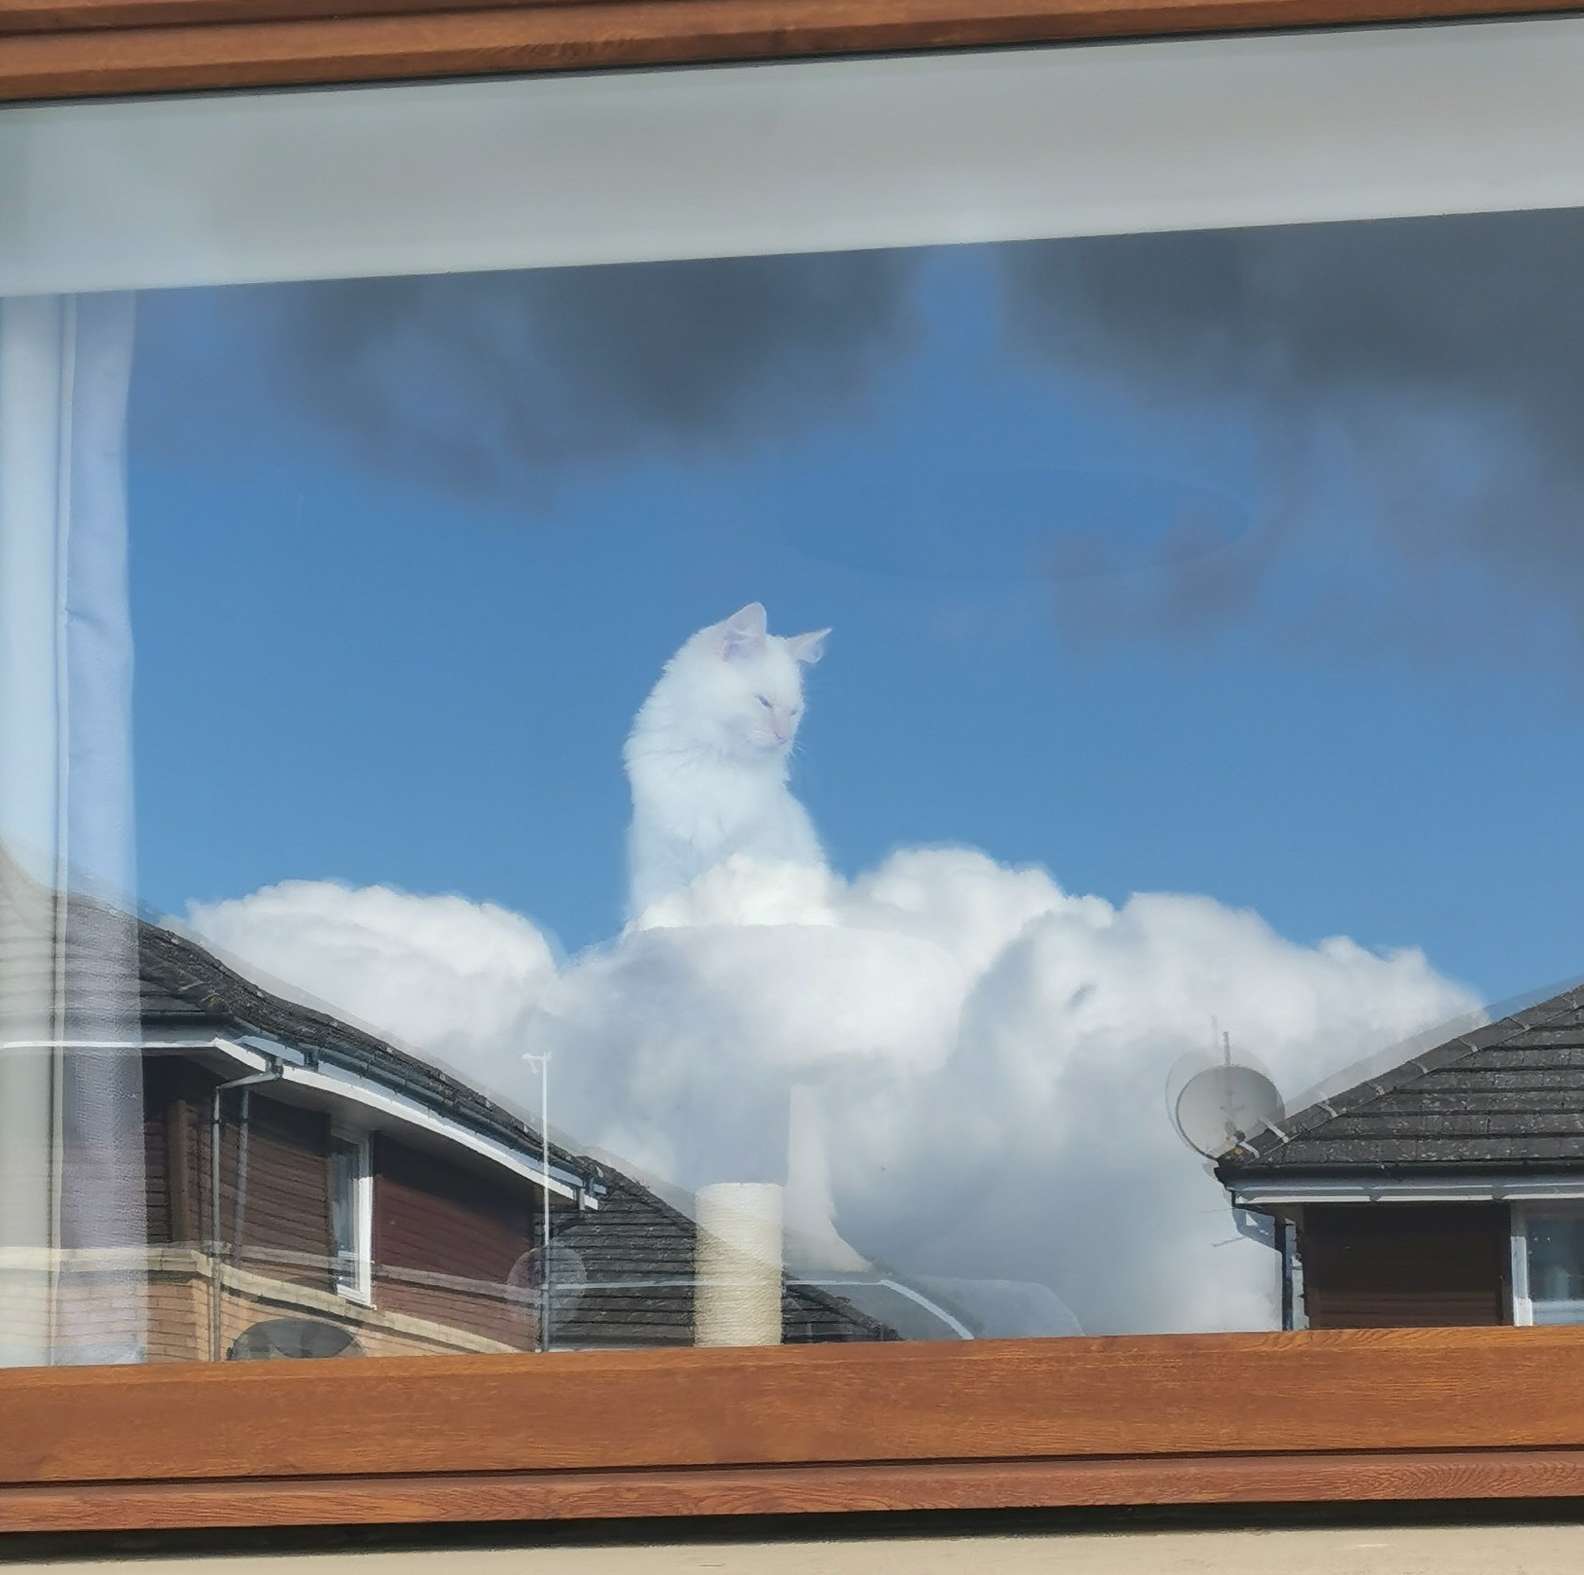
{"points": [[637, 1251], [182, 986], [1506, 1097], [636, 1258]]}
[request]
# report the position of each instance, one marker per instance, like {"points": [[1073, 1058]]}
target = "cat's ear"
{"points": [[743, 634], [808, 647]]}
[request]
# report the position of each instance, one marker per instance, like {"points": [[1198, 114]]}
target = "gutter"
{"points": [[339, 1083], [1262, 1196]]}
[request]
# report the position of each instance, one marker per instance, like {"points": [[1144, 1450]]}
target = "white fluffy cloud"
{"points": [[978, 1058], [456, 982]]}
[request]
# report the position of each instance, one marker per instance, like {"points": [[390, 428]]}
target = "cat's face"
{"points": [[753, 681]]}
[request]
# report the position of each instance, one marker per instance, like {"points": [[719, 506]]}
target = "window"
{"points": [[830, 762], [1548, 1263], [352, 1213]]}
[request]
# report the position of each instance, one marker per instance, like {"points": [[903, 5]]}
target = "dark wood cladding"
{"points": [[446, 1240], [431, 1214], [286, 1208], [156, 1160], [76, 48], [286, 1205], [1380, 1266]]}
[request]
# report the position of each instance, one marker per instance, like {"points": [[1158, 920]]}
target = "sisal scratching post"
{"points": [[737, 1296]]}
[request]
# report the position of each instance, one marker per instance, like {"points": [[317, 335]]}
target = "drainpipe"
{"points": [[272, 1075]]}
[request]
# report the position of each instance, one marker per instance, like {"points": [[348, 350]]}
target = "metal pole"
{"points": [[543, 1063], [544, 1193]]}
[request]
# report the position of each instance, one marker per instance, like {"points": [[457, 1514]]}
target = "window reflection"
{"points": [[1551, 1242], [913, 795]]}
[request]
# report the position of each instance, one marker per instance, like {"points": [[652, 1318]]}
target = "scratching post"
{"points": [[737, 1297]]}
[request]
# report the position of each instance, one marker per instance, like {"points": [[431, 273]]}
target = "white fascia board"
{"points": [[1429, 1189], [343, 1085]]}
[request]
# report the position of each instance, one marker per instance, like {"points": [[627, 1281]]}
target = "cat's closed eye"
{"points": [[763, 700]]}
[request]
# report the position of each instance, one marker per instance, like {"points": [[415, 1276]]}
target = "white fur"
{"points": [[708, 755]]}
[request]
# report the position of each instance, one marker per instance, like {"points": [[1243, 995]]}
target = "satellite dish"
{"points": [[558, 1272], [1221, 1105], [292, 1337]]}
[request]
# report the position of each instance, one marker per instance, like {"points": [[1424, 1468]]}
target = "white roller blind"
{"points": [[797, 157]]}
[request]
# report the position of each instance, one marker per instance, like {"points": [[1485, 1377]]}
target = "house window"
{"points": [[1152, 525], [1548, 1263], [352, 1214]]}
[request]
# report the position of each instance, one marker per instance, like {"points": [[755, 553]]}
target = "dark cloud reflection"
{"points": [[1418, 383]]}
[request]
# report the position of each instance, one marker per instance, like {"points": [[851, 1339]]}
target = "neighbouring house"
{"points": [[313, 1190], [1446, 1190]]}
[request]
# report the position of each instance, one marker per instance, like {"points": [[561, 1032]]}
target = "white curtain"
{"points": [[72, 1215]]}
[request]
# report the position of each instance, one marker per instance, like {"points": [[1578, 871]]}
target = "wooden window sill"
{"points": [[1258, 1418]]}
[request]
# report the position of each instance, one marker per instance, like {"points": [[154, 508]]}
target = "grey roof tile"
{"points": [[1509, 1095], [637, 1237]]}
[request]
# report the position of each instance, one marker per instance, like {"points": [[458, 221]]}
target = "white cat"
{"points": [[707, 757]]}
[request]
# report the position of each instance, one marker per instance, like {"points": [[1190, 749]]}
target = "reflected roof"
{"points": [[1507, 1096], [637, 1251]]}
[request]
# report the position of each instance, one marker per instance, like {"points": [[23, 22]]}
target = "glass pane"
{"points": [[343, 1207], [1556, 1267], [920, 794]]}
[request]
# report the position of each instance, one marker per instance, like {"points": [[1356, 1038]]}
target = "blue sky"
{"points": [[351, 667]]}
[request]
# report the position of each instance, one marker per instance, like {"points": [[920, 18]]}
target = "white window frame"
{"points": [[741, 160], [1522, 1301], [358, 1286]]}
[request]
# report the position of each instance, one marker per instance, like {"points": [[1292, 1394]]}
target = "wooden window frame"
{"points": [[1237, 1418], [77, 48]]}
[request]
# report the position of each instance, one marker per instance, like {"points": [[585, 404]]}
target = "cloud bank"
{"points": [[979, 1057]]}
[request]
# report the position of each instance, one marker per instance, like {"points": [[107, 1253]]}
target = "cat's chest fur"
{"points": [[689, 816], [709, 805]]}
